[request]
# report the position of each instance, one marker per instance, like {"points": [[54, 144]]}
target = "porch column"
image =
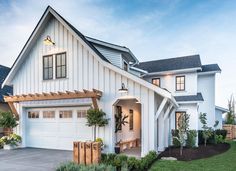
{"points": [[161, 132]]}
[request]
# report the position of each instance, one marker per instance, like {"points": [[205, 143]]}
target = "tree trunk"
{"points": [[181, 150], [95, 130], [205, 142]]}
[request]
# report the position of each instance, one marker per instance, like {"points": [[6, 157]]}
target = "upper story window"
{"points": [[48, 67], [61, 65], [125, 66], [156, 81], [180, 83]]}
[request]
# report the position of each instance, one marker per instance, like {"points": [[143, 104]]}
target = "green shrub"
{"points": [[175, 133], [191, 138], [133, 163], [221, 132], [219, 139], [75, 167], [119, 161]]}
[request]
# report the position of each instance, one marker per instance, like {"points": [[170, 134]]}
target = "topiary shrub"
{"points": [[133, 164], [191, 138]]}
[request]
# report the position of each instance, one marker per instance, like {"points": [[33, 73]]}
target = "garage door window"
{"points": [[33, 114], [81, 113], [48, 114], [65, 114]]}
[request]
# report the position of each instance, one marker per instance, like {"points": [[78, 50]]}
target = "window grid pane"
{"points": [[47, 67], [180, 83], [61, 65], [65, 114], [48, 114], [33, 114]]}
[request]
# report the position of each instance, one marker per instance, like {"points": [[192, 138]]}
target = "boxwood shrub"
{"points": [[212, 139]]}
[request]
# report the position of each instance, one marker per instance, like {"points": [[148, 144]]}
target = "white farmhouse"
{"points": [[60, 74]]}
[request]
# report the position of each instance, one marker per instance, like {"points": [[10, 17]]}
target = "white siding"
{"points": [[168, 82], [206, 85]]}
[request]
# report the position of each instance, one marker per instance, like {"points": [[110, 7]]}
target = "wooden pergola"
{"points": [[94, 95]]}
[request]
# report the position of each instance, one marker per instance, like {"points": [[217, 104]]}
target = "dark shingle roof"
{"points": [[178, 63], [197, 97], [6, 89], [210, 67]]}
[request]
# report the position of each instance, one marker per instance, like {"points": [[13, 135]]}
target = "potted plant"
{"points": [[7, 121], [11, 141], [101, 142], [120, 120]]}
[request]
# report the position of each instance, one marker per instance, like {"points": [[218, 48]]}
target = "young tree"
{"points": [[231, 113], [206, 131], [96, 118], [183, 127]]}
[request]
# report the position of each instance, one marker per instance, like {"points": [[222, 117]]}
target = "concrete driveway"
{"points": [[32, 159]]}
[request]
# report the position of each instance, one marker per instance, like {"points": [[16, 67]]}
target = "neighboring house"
{"points": [[54, 86], [6, 90], [220, 112]]}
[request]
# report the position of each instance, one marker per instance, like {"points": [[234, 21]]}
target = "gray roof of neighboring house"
{"points": [[223, 110], [210, 67], [170, 64], [197, 97], [6, 89]]}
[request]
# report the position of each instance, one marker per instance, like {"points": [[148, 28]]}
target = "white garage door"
{"points": [[56, 128]]}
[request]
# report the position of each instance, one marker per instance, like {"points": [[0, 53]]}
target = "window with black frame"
{"points": [[47, 67], [180, 83], [61, 65]]}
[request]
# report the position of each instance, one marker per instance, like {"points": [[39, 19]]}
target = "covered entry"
{"points": [[127, 118]]}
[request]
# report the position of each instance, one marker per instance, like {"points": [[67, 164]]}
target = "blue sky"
{"points": [[152, 29]]}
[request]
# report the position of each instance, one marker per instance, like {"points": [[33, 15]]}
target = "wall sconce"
{"points": [[48, 41], [123, 89]]}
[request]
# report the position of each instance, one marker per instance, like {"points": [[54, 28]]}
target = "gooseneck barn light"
{"points": [[123, 89], [48, 41]]}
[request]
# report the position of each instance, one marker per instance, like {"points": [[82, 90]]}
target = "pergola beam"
{"points": [[95, 94]]}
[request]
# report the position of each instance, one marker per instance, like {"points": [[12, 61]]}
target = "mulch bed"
{"points": [[195, 153]]}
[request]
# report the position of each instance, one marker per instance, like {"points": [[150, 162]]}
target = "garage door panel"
{"points": [[56, 133]]}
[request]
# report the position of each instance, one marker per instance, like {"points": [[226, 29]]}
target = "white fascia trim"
{"points": [[173, 71], [113, 46], [208, 73], [189, 102], [221, 109], [139, 70]]}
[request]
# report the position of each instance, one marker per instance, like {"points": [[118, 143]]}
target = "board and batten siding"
{"points": [[84, 71]]}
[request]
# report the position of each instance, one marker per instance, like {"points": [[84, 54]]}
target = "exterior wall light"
{"points": [[48, 41], [123, 89]]}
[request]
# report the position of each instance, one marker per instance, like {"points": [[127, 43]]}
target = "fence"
{"points": [[87, 152], [231, 131]]}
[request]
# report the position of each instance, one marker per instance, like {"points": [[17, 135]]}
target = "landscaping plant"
{"points": [[8, 121], [183, 127], [96, 118], [191, 138], [12, 139], [207, 132], [231, 113]]}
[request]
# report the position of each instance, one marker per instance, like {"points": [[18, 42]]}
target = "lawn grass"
{"points": [[222, 162]]}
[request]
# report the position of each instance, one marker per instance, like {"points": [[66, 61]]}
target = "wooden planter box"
{"points": [[87, 152], [231, 131], [7, 131]]}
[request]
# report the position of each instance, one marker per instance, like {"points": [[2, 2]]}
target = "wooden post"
{"points": [[76, 150], [82, 152], [96, 151], [88, 153]]}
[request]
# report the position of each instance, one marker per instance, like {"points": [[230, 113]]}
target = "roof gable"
{"points": [[48, 13]]}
